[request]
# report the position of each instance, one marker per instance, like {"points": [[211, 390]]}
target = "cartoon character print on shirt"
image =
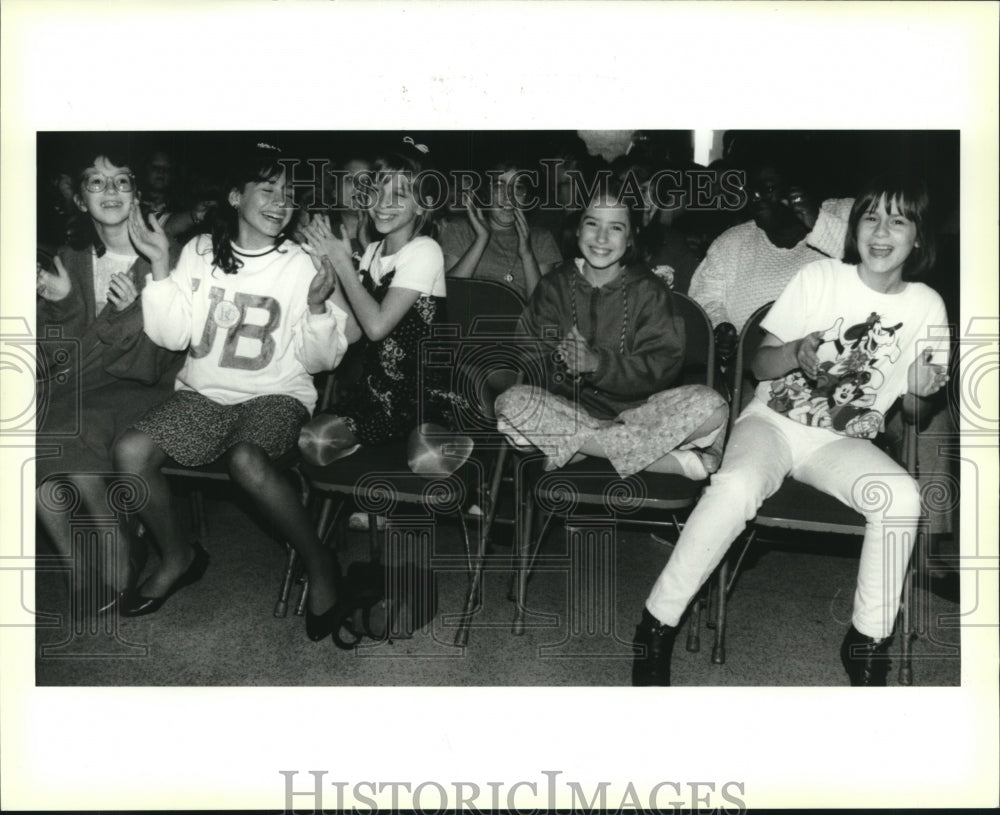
{"points": [[845, 388], [231, 315]]}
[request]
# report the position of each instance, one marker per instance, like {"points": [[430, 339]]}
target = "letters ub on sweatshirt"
{"points": [[247, 334]]}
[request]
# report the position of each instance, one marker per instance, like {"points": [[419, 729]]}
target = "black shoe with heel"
{"points": [[320, 626], [654, 646], [865, 659], [134, 604]]}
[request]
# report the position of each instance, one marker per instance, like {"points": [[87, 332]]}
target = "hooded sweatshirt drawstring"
{"points": [[576, 319]]}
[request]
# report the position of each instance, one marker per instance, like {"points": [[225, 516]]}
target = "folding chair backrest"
{"points": [[479, 337], [699, 354], [483, 306], [750, 339]]}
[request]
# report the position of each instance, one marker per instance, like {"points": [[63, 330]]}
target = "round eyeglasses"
{"points": [[124, 182]]}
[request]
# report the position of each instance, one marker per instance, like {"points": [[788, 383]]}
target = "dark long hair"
{"points": [[251, 165], [910, 195]]}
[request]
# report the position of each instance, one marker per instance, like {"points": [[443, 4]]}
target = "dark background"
{"points": [[829, 163]]}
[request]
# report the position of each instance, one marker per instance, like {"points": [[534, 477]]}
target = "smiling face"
{"points": [[885, 239], [263, 209], [604, 234], [843, 393], [111, 206], [396, 209]]}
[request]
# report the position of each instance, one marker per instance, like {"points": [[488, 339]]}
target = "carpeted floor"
{"points": [[788, 613]]}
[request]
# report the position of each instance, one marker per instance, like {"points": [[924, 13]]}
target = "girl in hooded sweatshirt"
{"points": [[611, 343]]}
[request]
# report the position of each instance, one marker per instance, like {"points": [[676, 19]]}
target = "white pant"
{"points": [[763, 449]]}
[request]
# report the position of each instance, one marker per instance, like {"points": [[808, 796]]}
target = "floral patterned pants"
{"points": [[533, 417]]}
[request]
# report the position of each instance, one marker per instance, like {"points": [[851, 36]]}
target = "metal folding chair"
{"points": [[473, 342], [593, 499]]}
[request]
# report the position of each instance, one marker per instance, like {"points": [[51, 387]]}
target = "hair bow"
{"points": [[423, 148]]}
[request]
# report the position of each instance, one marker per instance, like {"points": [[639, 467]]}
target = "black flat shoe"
{"points": [[138, 555], [320, 626], [132, 603], [654, 646], [866, 660]]}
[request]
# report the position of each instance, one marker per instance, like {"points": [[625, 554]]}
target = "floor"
{"points": [[788, 612]]}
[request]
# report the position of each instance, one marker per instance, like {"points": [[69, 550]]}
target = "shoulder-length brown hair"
{"points": [[911, 198]]}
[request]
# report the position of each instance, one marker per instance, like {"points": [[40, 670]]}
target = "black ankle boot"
{"points": [[866, 660], [653, 643]]}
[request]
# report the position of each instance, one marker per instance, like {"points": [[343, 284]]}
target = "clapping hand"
{"points": [[321, 243], [576, 354], [476, 218], [924, 378], [121, 291], [52, 286], [322, 285], [805, 353], [149, 239], [523, 233]]}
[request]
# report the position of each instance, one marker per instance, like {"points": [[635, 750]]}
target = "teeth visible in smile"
{"points": [[272, 217], [880, 251]]}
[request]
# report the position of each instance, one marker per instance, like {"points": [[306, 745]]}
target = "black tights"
{"points": [[249, 467]]}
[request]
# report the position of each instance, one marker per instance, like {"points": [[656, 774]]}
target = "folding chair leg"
{"points": [[694, 624], [523, 543], [281, 607], [906, 641], [475, 582], [719, 648], [493, 496], [300, 608], [198, 512]]}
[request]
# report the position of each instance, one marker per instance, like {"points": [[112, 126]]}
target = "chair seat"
{"points": [[594, 481], [373, 470], [799, 506]]}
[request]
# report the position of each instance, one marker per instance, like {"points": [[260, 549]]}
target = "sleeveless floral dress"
{"points": [[384, 405]]}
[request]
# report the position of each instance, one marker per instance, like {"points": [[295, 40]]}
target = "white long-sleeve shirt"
{"points": [[248, 334], [743, 270]]}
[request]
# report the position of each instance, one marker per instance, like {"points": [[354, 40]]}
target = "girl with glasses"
{"points": [[102, 372]]}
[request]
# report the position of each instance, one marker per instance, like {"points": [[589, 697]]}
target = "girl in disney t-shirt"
{"points": [[843, 341]]}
